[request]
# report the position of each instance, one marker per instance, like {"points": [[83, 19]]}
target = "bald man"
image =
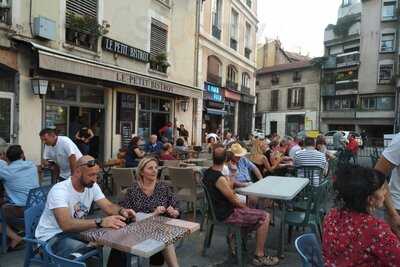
{"points": [[68, 205]]}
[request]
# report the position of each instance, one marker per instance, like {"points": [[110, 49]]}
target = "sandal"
{"points": [[265, 261]]}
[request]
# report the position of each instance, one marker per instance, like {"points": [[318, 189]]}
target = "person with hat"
{"points": [[244, 165]]}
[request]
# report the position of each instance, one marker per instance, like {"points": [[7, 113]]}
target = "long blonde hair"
{"points": [[256, 150], [142, 164]]}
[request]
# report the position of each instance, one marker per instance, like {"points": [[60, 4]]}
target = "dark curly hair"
{"points": [[353, 186]]}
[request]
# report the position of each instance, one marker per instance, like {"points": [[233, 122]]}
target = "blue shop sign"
{"points": [[213, 92]]}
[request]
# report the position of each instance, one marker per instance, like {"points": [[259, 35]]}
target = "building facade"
{"points": [[227, 63], [288, 98], [361, 52], [121, 67]]}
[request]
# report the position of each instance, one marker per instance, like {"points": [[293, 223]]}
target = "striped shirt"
{"points": [[310, 157]]}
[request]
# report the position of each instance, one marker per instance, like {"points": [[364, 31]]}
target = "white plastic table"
{"points": [[279, 188]]}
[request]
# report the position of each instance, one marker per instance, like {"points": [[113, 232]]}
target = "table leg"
{"points": [[282, 232]]}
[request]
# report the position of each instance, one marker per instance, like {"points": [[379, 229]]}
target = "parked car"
{"points": [[258, 133], [346, 134]]}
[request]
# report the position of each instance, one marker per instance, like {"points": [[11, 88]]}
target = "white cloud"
{"points": [[299, 24]]}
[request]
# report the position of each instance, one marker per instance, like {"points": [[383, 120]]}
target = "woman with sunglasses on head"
{"points": [[148, 195], [352, 235]]}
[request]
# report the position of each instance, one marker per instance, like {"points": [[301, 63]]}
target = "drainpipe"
{"points": [[196, 43]]}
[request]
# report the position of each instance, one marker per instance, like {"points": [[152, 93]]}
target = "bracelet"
{"points": [[119, 212]]}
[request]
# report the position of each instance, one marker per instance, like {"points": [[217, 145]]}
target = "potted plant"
{"points": [[160, 62]]}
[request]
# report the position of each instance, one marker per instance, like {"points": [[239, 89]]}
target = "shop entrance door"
{"points": [[6, 116], [158, 120]]}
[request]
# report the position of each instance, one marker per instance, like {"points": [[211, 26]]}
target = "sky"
{"points": [[298, 24]]}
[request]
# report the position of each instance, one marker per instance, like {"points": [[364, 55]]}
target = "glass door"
{"points": [[57, 118], [6, 116]]}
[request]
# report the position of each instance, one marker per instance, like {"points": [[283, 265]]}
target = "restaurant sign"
{"points": [[212, 92], [119, 48], [136, 80]]}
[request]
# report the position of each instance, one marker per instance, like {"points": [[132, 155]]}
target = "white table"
{"points": [[278, 188]]}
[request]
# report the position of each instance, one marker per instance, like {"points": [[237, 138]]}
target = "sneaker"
{"points": [[265, 261]]}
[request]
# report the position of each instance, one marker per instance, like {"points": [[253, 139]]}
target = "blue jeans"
{"points": [[64, 245]]}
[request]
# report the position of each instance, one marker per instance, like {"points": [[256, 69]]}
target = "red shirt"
{"points": [[167, 157], [352, 146], [359, 240]]}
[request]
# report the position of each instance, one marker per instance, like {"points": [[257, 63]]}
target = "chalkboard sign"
{"points": [[126, 133]]}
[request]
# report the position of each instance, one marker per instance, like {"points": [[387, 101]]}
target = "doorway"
{"points": [[158, 120], [6, 116], [273, 127]]}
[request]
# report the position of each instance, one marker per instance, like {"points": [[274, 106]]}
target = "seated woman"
{"points": [[134, 153], [352, 235], [275, 158], [166, 152], [259, 159], [120, 160], [149, 196], [181, 150]]}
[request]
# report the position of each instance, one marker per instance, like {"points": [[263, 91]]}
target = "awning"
{"points": [[50, 59], [214, 111]]}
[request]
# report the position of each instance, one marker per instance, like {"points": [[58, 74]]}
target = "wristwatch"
{"points": [[98, 222]]}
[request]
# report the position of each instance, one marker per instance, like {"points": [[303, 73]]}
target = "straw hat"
{"points": [[238, 150]]}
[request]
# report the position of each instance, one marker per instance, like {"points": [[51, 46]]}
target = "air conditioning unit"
{"points": [[44, 28], [5, 3]]}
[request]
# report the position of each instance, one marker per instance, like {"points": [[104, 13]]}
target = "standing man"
{"points": [[67, 207], [183, 132], [388, 163], [60, 150], [167, 132]]}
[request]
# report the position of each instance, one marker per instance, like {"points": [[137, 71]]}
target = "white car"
{"points": [[258, 134], [346, 134]]}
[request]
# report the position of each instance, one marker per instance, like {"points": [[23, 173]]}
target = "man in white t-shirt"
{"points": [[60, 150], [68, 204], [390, 162]]}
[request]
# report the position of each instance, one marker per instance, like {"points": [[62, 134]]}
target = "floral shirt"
{"points": [[137, 200], [358, 239]]}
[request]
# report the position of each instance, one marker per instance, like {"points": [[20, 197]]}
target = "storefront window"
{"points": [[144, 124], [62, 91], [5, 118], [229, 119], [7, 84], [126, 110], [57, 118], [91, 95]]}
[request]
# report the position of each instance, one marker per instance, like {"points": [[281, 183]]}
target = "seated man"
{"points": [[68, 204], [153, 146], [18, 177], [311, 157], [244, 165], [230, 210]]}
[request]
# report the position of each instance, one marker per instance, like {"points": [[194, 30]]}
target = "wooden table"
{"points": [[279, 188], [143, 238]]}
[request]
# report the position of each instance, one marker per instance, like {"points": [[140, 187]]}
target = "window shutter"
{"points": [[301, 96], [159, 37], [289, 98], [81, 7]]}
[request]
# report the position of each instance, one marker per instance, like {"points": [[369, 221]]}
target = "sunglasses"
{"points": [[90, 163]]}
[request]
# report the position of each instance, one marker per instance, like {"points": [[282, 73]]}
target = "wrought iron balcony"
{"points": [[216, 32], [234, 44], [247, 52], [5, 14], [245, 90], [348, 59], [213, 78], [231, 85]]}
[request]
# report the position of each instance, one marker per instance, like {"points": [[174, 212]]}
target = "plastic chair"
{"points": [[122, 179], [311, 172], [309, 250], [185, 186], [212, 221], [32, 249], [58, 261], [311, 216]]}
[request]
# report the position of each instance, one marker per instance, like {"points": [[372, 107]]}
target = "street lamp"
{"points": [[184, 104], [39, 86]]}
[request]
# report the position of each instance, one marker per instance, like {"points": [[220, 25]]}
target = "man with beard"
{"points": [[68, 204]]}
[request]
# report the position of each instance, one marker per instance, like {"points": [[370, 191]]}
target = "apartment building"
{"points": [[227, 64], [123, 68], [359, 84]]}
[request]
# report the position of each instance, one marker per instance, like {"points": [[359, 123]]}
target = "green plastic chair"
{"points": [[311, 216], [212, 221]]}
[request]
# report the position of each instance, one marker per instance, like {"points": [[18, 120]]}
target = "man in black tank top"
{"points": [[230, 210]]}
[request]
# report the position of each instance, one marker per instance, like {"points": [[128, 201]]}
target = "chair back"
{"points": [[37, 196], [309, 250], [171, 163], [58, 261], [183, 178], [210, 204], [122, 179], [32, 217], [314, 173], [313, 196]]}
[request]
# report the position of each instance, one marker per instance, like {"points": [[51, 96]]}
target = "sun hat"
{"points": [[238, 150]]}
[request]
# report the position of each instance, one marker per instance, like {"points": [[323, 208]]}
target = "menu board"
{"points": [[126, 133], [126, 110]]}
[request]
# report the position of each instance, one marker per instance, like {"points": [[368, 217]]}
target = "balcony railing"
{"points": [[215, 79], [245, 90], [231, 85], [5, 14], [346, 86], [216, 32], [328, 90], [234, 44], [247, 52], [348, 59]]}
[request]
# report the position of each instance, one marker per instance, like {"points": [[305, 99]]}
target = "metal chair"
{"points": [[185, 186], [309, 250], [33, 248], [212, 221], [122, 179]]}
